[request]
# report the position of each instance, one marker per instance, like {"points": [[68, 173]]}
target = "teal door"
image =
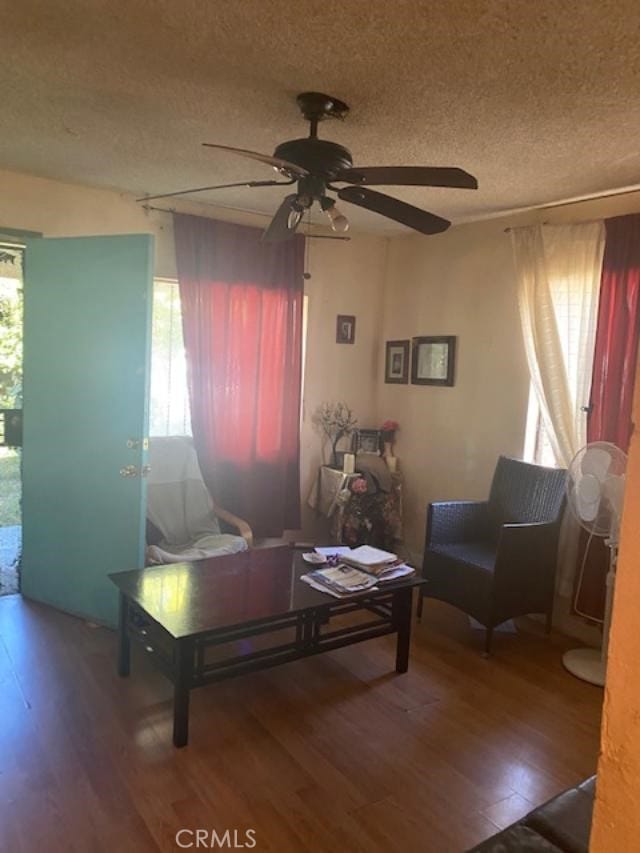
{"points": [[87, 311]]}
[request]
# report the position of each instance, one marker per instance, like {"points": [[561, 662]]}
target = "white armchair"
{"points": [[180, 507]]}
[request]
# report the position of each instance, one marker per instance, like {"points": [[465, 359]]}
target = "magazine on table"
{"points": [[340, 580], [359, 570], [383, 564]]}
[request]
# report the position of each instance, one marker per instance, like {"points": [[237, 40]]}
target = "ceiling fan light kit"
{"points": [[316, 165]]}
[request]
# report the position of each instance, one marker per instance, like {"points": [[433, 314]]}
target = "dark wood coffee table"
{"points": [[183, 613]]}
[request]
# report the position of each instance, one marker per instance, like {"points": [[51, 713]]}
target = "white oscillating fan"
{"points": [[595, 491]]}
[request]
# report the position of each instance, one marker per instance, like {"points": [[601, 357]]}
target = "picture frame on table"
{"points": [[396, 362], [433, 360], [367, 441]]}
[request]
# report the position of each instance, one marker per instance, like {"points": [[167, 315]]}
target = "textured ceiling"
{"points": [[540, 100]]}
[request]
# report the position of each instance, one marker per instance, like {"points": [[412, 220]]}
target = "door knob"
{"points": [[129, 471]]}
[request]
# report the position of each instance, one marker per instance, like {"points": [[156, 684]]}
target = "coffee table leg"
{"points": [[402, 619], [181, 690], [124, 651]]}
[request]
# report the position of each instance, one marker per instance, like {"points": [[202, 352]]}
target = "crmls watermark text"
{"points": [[209, 839]]}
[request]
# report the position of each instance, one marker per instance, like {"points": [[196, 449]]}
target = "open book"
{"points": [[372, 560]]}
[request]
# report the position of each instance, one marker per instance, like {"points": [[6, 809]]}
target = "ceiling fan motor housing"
{"points": [[319, 157]]}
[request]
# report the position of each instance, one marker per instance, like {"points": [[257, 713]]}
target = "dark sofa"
{"points": [[561, 825]]}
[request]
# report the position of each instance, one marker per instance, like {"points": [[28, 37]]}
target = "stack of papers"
{"points": [[372, 560], [360, 569], [340, 580]]}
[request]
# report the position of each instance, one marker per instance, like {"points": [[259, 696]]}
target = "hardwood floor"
{"points": [[333, 753]]}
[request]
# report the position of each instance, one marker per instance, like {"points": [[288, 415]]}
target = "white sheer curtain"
{"points": [[558, 270]]}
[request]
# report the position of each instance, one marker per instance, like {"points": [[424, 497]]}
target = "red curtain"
{"points": [[242, 318], [614, 369], [614, 364]]}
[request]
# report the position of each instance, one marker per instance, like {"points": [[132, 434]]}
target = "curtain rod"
{"points": [[553, 204], [309, 236]]}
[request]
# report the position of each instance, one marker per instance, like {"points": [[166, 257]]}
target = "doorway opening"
{"points": [[11, 330]]}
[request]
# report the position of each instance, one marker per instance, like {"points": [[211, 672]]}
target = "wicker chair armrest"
{"points": [[233, 521], [528, 549], [456, 521]]}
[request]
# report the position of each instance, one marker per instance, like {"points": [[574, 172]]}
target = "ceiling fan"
{"points": [[317, 165]]}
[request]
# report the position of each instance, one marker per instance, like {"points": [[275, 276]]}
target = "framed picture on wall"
{"points": [[345, 329], [396, 365], [433, 360]]}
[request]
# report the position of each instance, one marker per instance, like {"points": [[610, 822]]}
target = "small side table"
{"points": [[325, 497]]}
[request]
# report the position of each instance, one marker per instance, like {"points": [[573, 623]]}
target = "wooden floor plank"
{"points": [[326, 754]]}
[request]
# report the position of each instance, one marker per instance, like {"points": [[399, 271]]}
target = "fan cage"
{"points": [[607, 518]]}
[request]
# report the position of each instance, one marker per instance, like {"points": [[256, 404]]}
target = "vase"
{"points": [[388, 456]]}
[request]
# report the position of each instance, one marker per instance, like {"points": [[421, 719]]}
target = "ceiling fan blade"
{"points": [[218, 187], [278, 229], [409, 176], [393, 208], [276, 162]]}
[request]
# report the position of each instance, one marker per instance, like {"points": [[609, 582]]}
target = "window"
{"points": [[537, 447], [169, 412], [569, 307]]}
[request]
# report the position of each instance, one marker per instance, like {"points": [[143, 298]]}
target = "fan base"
{"points": [[586, 664], [315, 106]]}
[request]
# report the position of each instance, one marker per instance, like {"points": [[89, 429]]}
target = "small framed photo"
{"points": [[367, 441], [345, 329], [433, 360], [396, 364]]}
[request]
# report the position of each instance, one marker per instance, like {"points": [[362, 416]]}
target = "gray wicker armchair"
{"points": [[496, 559]]}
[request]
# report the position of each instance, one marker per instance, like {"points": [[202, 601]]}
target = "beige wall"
{"points": [[458, 283], [462, 283], [68, 210], [346, 278]]}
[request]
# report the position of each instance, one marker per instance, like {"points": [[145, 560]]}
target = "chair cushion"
{"points": [[481, 555], [178, 502], [561, 824], [216, 545], [566, 820], [462, 574], [517, 839]]}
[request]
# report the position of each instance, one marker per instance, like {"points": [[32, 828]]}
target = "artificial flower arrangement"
{"points": [[370, 518]]}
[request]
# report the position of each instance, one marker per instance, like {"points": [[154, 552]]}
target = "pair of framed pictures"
{"points": [[432, 361]]}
